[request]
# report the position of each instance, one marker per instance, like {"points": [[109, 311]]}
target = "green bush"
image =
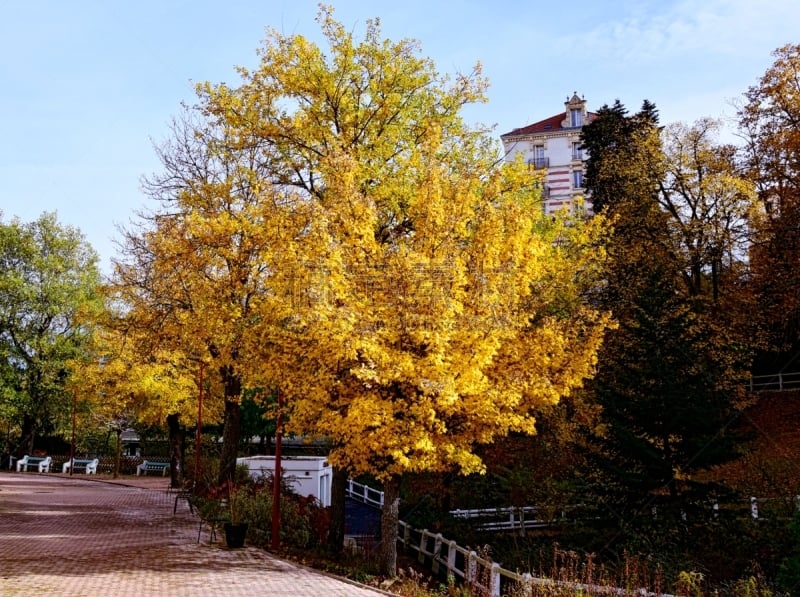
{"points": [[789, 572], [303, 521], [295, 526]]}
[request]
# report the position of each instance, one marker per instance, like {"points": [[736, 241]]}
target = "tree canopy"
{"points": [[49, 283], [332, 229], [671, 376], [768, 124]]}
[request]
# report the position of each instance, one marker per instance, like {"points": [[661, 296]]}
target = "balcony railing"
{"points": [[539, 163]]}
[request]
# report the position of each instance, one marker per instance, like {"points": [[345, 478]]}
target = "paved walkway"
{"points": [[62, 536]]}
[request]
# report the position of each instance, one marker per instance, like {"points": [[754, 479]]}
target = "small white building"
{"points": [[307, 475]]}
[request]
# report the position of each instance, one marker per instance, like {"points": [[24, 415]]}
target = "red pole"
{"points": [[198, 435], [276, 480], [72, 443]]}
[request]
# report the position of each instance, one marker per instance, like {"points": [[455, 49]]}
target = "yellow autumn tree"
{"points": [[197, 271], [428, 304], [118, 387], [768, 119]]}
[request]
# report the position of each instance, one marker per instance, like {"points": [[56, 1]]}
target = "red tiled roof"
{"points": [[548, 124]]}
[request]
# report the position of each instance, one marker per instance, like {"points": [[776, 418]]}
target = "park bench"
{"points": [[88, 465], [42, 463], [152, 467]]}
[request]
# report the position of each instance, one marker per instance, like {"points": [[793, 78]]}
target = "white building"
{"points": [[553, 144], [307, 475]]}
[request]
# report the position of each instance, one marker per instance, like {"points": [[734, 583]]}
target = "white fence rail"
{"points": [[520, 518], [775, 382], [503, 519], [364, 494]]}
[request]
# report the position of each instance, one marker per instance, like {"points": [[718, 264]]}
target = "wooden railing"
{"points": [[447, 558]]}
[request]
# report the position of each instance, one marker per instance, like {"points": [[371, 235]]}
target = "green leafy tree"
{"points": [[258, 420], [789, 572], [49, 283]]}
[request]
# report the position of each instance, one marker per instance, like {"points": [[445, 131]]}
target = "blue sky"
{"points": [[88, 86]]}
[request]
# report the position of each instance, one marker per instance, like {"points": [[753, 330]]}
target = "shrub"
{"points": [[789, 572], [303, 521]]}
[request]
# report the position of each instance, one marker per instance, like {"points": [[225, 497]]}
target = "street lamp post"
{"points": [[72, 441], [276, 479]]}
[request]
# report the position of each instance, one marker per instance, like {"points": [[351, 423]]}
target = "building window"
{"points": [[577, 151], [539, 161], [575, 117], [577, 179]]}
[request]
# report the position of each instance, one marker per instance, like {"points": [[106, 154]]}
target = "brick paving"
{"points": [[82, 537]]}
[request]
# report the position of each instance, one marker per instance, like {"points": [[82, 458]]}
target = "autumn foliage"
{"points": [[331, 229]]}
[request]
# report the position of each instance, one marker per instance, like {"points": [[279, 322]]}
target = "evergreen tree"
{"points": [[667, 376]]}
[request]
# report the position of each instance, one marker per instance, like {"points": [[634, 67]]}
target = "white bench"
{"points": [[152, 467], [42, 463], [89, 465]]}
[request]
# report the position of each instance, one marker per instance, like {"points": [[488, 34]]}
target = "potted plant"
{"points": [[235, 527], [211, 505]]}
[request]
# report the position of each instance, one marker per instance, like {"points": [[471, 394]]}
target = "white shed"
{"points": [[307, 475]]}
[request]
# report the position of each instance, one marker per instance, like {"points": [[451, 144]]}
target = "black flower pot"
{"points": [[235, 534]]}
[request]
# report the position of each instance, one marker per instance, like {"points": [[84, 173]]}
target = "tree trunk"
{"points": [[390, 518], [28, 433], [262, 444], [176, 453], [446, 494], [233, 424], [338, 497], [230, 441]]}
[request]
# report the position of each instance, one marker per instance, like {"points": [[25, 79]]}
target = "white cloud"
{"points": [[690, 30]]}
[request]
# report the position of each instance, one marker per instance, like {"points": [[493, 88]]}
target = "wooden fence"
{"points": [[446, 558]]}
